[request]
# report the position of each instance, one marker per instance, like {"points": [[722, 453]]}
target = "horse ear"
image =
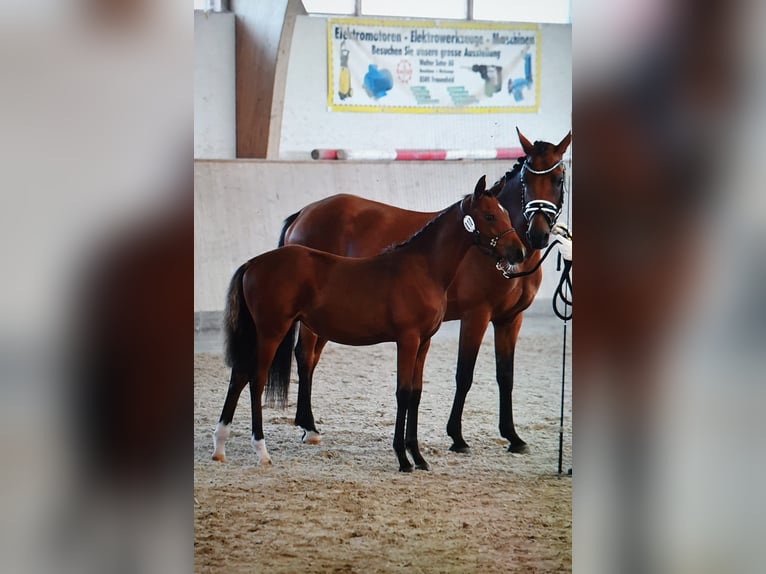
{"points": [[497, 188], [525, 144], [481, 187], [564, 144]]}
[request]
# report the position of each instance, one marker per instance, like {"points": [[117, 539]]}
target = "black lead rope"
{"points": [[565, 282], [564, 287], [530, 271]]}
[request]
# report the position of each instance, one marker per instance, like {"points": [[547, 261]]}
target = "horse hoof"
{"points": [[461, 448], [423, 466], [266, 462], [219, 457], [311, 437], [405, 468], [519, 448]]}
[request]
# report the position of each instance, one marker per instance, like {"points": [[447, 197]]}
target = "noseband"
{"points": [[550, 210]]}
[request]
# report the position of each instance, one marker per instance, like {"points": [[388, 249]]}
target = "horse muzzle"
{"points": [[538, 239], [510, 249], [541, 216], [512, 254]]}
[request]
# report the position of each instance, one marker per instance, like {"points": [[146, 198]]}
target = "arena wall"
{"points": [[239, 205]]}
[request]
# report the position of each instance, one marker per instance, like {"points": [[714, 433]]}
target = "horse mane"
{"points": [[423, 230], [516, 168]]}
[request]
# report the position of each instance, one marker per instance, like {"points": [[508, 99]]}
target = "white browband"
{"points": [[525, 166]]}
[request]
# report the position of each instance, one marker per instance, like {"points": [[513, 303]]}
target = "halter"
{"points": [[470, 226], [550, 210]]}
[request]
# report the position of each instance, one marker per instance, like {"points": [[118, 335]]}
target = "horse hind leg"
{"points": [[411, 438], [406, 359], [223, 428], [266, 350], [307, 353]]}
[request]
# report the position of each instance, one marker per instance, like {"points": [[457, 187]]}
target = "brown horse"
{"points": [[356, 227], [399, 295]]}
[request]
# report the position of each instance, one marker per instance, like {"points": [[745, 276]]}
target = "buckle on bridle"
{"points": [[494, 240]]}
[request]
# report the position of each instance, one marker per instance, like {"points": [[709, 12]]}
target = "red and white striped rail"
{"points": [[418, 154]]}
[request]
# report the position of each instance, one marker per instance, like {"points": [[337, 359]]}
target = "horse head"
{"points": [[542, 187], [490, 223]]}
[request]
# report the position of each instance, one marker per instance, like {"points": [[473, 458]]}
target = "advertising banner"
{"points": [[432, 67]]}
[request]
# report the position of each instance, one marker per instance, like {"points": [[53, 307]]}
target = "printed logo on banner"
{"points": [[432, 67]]}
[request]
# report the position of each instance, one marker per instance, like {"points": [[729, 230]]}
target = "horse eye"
{"points": [[489, 217]]}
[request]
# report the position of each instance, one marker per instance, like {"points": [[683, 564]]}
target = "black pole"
{"points": [[566, 290], [561, 420]]}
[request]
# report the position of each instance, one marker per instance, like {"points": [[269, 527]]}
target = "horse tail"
{"points": [[278, 383], [288, 222], [240, 346]]}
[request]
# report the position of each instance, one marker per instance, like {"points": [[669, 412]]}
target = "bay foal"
{"points": [[399, 295]]}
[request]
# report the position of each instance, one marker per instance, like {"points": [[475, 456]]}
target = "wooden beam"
{"points": [[258, 29], [294, 8]]}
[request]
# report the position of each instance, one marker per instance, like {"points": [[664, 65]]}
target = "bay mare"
{"points": [[533, 194]]}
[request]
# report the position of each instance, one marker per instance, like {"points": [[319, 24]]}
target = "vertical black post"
{"points": [[561, 420], [566, 292]]}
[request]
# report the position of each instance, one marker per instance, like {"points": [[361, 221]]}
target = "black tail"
{"points": [[240, 347], [278, 383], [288, 222]]}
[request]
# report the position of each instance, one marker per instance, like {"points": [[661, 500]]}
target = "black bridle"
{"points": [[548, 209]]}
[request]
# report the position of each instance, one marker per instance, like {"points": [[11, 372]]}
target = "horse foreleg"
{"points": [[472, 331], [411, 438], [223, 428], [407, 351], [506, 334], [307, 353]]}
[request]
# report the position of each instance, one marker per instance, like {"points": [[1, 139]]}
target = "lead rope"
{"points": [[564, 289], [564, 293]]}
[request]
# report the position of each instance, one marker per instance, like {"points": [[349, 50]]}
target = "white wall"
{"points": [[307, 124], [214, 86], [239, 206]]}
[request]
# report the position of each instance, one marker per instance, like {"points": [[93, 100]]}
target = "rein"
{"points": [[505, 269]]}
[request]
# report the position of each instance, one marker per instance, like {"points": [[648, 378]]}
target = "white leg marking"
{"points": [[260, 450], [311, 437], [219, 440]]}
